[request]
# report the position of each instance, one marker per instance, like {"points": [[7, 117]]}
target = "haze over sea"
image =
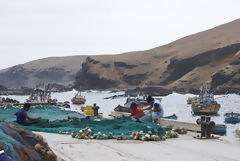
{"points": [[173, 103]]}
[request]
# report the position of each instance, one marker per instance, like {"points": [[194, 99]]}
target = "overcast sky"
{"points": [[33, 29]]}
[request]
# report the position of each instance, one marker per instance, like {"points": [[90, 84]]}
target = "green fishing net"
{"points": [[7, 142], [46, 112], [68, 121]]}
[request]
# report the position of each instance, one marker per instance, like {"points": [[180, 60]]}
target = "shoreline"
{"points": [[184, 148]]}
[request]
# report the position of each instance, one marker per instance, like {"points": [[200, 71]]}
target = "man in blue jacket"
{"points": [[22, 115]]}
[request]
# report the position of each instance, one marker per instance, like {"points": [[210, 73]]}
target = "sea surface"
{"points": [[173, 103]]}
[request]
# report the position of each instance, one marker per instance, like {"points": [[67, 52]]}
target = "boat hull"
{"points": [[78, 101], [232, 120], [201, 109]]}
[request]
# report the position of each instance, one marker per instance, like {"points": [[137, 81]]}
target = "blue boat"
{"points": [[232, 118]]}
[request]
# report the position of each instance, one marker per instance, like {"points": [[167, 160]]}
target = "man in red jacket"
{"points": [[137, 112]]}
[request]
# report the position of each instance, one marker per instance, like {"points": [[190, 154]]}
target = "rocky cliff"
{"points": [[210, 57]]}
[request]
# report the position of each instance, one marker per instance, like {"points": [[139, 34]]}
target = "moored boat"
{"points": [[232, 117], [205, 104], [78, 99], [204, 109]]}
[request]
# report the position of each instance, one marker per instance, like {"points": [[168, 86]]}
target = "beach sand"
{"points": [[184, 148]]}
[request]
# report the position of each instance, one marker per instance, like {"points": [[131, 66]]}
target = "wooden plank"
{"points": [[179, 124]]}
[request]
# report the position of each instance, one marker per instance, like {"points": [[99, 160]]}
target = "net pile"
{"points": [[21, 144]]}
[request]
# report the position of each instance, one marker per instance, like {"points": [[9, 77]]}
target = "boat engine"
{"points": [[206, 126]]}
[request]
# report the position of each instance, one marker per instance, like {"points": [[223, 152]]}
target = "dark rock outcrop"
{"points": [[124, 65], [87, 80], [179, 67], [135, 79], [220, 78]]}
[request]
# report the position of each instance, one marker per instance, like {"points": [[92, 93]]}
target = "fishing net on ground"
{"points": [[69, 121], [116, 126], [22, 145], [47, 112]]}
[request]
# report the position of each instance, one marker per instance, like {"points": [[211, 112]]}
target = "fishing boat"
{"points": [[78, 99], [232, 117], [205, 109], [41, 96], [205, 104]]}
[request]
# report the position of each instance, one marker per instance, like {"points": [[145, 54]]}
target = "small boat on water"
{"points": [[232, 117], [78, 99], [205, 104]]}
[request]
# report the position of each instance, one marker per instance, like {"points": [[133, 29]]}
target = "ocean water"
{"points": [[173, 103]]}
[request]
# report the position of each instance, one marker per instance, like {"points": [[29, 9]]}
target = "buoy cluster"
{"points": [[43, 148], [175, 129], [150, 135]]}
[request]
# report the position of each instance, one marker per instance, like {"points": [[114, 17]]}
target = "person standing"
{"points": [[95, 109]]}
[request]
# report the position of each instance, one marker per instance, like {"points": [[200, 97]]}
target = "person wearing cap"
{"points": [[136, 111], [22, 115], [155, 106]]}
